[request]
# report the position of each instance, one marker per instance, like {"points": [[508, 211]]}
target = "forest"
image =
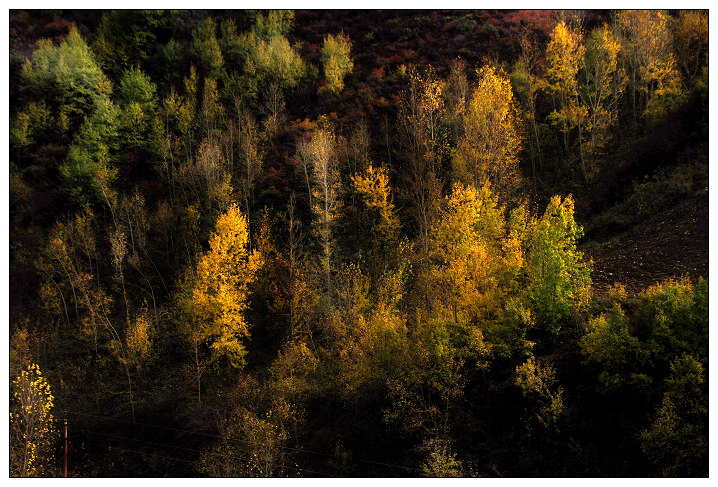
{"points": [[350, 243]]}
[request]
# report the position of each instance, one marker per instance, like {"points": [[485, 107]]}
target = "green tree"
{"points": [[88, 171], [205, 48], [677, 439], [559, 280], [139, 125], [336, 59], [126, 38], [67, 77]]}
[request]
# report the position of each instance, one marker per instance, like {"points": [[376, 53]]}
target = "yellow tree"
{"points": [[219, 299], [421, 110], [465, 250], [374, 188], [489, 148], [690, 44], [603, 81], [564, 56], [31, 424], [648, 51]]}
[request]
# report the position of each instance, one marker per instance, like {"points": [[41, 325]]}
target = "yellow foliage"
{"points": [[490, 146], [138, 337], [465, 252], [31, 423], [649, 49], [220, 294], [564, 55], [376, 193]]}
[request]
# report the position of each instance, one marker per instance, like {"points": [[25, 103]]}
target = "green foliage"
{"points": [[29, 124], [610, 343], [673, 316], [136, 86], [337, 62], [67, 78], [276, 59], [537, 383], [126, 38], [87, 172], [559, 281], [205, 48], [677, 440], [277, 23], [139, 110]]}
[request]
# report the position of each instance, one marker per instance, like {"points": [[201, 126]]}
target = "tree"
{"points": [[537, 384], [421, 109], [456, 95], [610, 344], [32, 430], [373, 186], [564, 56], [527, 84], [67, 78], [335, 57], [220, 295], [464, 270], [138, 118], [319, 154], [690, 45], [488, 151], [205, 48], [648, 49], [250, 154], [126, 38], [276, 23], [558, 280], [88, 171], [602, 84], [677, 439]]}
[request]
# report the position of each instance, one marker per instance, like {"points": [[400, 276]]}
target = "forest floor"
{"points": [[671, 243]]}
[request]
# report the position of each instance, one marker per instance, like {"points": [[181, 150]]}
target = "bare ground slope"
{"points": [[671, 243]]}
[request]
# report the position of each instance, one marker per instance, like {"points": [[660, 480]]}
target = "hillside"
{"points": [[348, 243]]}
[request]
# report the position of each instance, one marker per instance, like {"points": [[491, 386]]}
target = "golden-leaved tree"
{"points": [[564, 56], [465, 250], [219, 299], [603, 81], [31, 424], [491, 142], [654, 77]]}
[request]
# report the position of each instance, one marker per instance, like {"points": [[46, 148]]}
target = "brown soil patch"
{"points": [[669, 244]]}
